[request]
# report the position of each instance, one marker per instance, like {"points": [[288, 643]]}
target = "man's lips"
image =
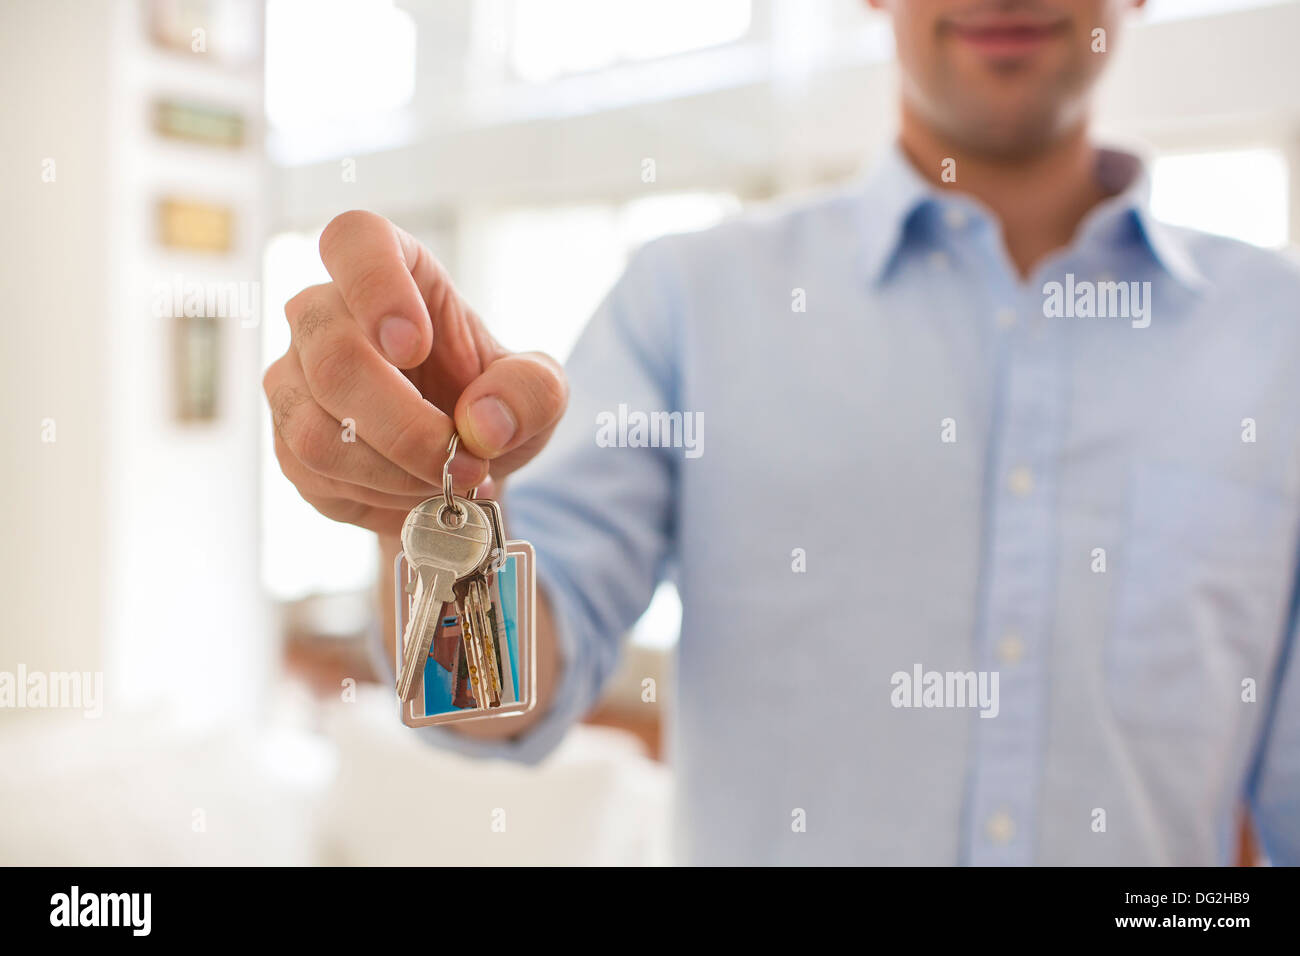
{"points": [[1007, 38]]}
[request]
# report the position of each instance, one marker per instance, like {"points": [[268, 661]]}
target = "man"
{"points": [[987, 554]]}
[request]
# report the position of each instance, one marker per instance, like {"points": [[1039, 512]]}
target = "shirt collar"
{"points": [[895, 192], [1126, 217], [897, 195]]}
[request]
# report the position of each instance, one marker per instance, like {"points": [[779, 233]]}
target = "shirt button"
{"points": [[938, 259], [1010, 649], [1000, 827], [954, 217], [1006, 318], [1020, 481]]}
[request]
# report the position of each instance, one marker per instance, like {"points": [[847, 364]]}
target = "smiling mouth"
{"points": [[1007, 38]]}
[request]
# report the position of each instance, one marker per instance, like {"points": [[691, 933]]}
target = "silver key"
{"points": [[496, 558], [442, 548]]}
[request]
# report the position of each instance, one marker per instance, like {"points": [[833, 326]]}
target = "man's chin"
{"points": [[1007, 134]]}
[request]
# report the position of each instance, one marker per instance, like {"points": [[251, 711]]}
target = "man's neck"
{"points": [[1039, 198]]}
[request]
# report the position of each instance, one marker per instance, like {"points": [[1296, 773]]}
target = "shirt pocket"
{"points": [[1205, 582]]}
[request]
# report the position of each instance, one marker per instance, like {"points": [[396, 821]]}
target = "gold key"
{"points": [[478, 641], [474, 597]]}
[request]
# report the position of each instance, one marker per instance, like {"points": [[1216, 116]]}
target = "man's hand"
{"points": [[392, 307]]}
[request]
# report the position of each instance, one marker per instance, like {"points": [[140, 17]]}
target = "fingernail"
{"points": [[398, 338], [492, 422]]}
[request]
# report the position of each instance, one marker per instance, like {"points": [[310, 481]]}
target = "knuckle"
{"points": [[316, 444], [283, 400], [330, 364], [314, 318], [308, 312], [298, 303]]}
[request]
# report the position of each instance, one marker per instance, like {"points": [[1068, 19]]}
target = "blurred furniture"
{"points": [[367, 791], [598, 800]]}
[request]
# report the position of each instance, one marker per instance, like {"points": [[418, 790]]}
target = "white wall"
{"points": [[186, 626], [53, 280], [130, 541]]}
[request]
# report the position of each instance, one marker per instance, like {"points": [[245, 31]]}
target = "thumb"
{"points": [[513, 403]]}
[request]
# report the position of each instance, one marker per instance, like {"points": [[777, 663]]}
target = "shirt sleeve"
{"points": [[1275, 785], [599, 517]]}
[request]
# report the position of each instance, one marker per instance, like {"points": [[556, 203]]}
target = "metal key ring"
{"points": [[449, 500]]}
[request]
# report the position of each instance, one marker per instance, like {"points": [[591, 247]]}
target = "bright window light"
{"points": [[652, 216], [661, 624], [303, 552], [550, 38], [1157, 10], [666, 27], [537, 274], [1249, 200], [335, 60]]}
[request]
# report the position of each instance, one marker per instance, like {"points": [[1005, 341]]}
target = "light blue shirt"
{"points": [[905, 466]]}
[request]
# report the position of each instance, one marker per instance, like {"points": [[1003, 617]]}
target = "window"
{"points": [[1249, 200], [339, 74], [661, 624], [1186, 9], [551, 38], [537, 274], [303, 552]]}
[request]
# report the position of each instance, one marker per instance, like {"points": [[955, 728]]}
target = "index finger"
{"points": [[370, 261]]}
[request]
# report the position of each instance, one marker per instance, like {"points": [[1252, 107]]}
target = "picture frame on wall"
{"points": [[199, 123], [196, 365], [195, 225], [224, 31]]}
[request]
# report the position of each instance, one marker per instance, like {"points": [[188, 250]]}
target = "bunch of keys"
{"points": [[457, 557]]}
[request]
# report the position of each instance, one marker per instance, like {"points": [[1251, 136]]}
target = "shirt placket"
{"points": [[1015, 624]]}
